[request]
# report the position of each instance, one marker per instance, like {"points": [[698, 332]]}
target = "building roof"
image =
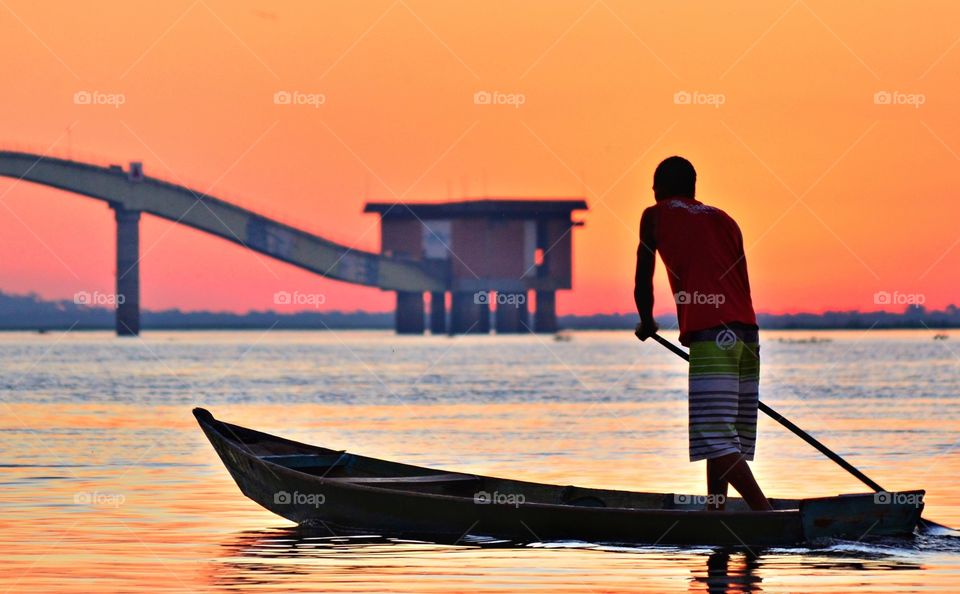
{"points": [[482, 207]]}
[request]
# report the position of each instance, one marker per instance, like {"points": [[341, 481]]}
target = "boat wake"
{"points": [[935, 541]]}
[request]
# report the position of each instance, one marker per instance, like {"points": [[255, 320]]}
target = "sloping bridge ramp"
{"points": [[131, 193]]}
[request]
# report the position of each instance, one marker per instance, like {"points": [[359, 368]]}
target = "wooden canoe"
{"points": [[349, 494]]}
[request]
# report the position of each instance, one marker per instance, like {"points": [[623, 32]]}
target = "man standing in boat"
{"points": [[702, 250]]}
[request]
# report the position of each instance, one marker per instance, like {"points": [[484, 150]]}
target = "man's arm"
{"points": [[643, 280]]}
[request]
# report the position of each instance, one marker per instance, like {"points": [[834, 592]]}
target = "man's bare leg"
{"points": [[733, 469], [717, 484]]}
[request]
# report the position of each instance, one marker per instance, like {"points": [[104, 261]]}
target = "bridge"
{"points": [[130, 193]]}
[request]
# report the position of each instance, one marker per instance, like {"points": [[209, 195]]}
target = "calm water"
{"points": [[108, 485]]}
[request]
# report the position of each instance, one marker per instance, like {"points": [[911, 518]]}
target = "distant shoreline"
{"points": [[81, 330], [30, 313]]}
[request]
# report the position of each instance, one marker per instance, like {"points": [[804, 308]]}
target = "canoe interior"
{"points": [[338, 465]]}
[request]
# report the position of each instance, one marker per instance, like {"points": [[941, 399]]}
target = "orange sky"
{"points": [[838, 197]]}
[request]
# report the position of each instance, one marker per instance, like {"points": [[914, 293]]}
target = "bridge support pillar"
{"points": [[409, 313], [438, 312], [128, 271], [512, 313], [483, 323], [465, 312], [546, 316]]}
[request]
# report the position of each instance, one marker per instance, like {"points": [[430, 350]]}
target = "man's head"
{"points": [[675, 176]]}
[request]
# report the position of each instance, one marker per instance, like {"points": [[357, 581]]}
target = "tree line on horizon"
{"points": [[30, 312]]}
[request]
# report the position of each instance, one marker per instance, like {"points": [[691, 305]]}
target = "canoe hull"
{"points": [[513, 512]]}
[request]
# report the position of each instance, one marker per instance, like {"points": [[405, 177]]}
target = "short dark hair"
{"points": [[675, 176]]}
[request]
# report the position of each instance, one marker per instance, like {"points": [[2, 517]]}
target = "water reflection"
{"points": [[298, 555], [728, 571], [298, 559]]}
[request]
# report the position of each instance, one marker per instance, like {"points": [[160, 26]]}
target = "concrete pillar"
{"points": [[546, 316], [483, 325], [523, 313], [512, 313], [409, 312], [438, 312], [465, 312], [128, 271]]}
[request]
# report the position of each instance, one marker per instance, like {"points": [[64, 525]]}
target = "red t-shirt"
{"points": [[702, 248]]}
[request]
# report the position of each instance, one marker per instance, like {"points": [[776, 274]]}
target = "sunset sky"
{"points": [[839, 192]]}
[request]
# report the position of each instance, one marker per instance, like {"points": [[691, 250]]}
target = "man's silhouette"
{"points": [[702, 249]]}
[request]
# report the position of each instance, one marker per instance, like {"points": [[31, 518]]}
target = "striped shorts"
{"points": [[724, 393]]}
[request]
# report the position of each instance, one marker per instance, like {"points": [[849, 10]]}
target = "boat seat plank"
{"points": [[308, 460], [446, 477]]}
